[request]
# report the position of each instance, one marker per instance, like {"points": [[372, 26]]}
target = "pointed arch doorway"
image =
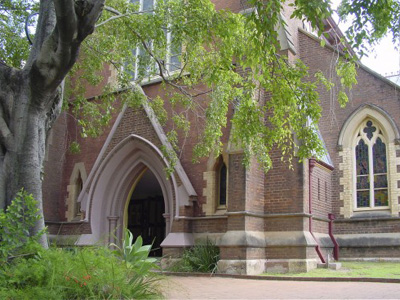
{"points": [[144, 211]]}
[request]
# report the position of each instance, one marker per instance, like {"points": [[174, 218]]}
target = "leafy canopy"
{"points": [[14, 48], [227, 62], [370, 21]]}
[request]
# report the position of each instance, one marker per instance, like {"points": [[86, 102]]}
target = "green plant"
{"points": [[15, 224], [135, 255], [85, 273], [201, 258]]}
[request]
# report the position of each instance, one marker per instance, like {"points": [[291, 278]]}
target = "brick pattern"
{"points": [[255, 194], [209, 225], [387, 252], [288, 252], [286, 223], [236, 187], [321, 192], [73, 228], [284, 187], [370, 89], [367, 226], [53, 188]]}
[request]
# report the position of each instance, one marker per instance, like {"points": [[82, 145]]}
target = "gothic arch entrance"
{"points": [[144, 215], [107, 192]]}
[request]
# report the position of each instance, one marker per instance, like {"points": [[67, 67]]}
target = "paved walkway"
{"points": [[232, 288]]}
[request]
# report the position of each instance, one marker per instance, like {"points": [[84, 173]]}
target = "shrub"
{"points": [[84, 273], [201, 258], [15, 224]]}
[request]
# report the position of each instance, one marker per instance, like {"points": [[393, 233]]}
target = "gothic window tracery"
{"points": [[371, 167]]}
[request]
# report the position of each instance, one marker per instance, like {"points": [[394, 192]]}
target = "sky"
{"points": [[383, 58]]}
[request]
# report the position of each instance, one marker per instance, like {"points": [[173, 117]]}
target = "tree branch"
{"points": [[66, 22], [6, 137], [88, 14], [7, 75], [112, 10], [75, 20], [119, 15]]}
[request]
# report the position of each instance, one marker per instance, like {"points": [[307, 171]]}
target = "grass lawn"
{"points": [[354, 269]]}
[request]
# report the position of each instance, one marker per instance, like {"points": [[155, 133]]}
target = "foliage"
{"points": [[231, 56], [88, 273], [234, 62], [201, 258], [82, 273], [14, 48], [15, 224], [371, 20], [30, 272], [135, 255]]}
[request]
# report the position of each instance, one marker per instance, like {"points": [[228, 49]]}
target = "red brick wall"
{"points": [[321, 197], [89, 150], [209, 225], [321, 192], [255, 194], [53, 170], [284, 187], [370, 89]]}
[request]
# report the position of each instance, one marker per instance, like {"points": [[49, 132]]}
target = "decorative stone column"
{"points": [[113, 228]]}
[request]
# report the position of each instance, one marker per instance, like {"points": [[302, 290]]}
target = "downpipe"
{"points": [[311, 165], [335, 243]]}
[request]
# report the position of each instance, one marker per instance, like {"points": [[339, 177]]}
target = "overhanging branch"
{"points": [[119, 15]]}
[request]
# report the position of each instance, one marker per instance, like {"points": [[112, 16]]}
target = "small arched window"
{"points": [[75, 187], [78, 190], [222, 185], [371, 176]]}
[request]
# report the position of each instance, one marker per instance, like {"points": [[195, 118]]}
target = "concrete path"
{"points": [[232, 288]]}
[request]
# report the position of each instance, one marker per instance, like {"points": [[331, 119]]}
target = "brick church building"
{"points": [[344, 205]]}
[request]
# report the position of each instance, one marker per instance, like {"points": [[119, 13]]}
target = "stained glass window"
{"points": [[371, 167], [369, 130], [379, 150], [362, 158]]}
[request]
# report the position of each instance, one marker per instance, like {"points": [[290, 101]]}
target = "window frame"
{"points": [[221, 164], [345, 144], [170, 68], [361, 135]]}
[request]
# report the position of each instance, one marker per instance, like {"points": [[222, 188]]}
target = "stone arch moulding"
{"points": [[347, 166], [368, 111], [113, 181], [73, 193]]}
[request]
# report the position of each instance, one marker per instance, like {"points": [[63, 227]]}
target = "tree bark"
{"points": [[30, 99]]}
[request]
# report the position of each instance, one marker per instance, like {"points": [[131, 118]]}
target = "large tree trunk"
{"points": [[23, 157], [30, 101]]}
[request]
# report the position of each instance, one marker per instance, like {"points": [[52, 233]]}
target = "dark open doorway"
{"points": [[145, 212]]}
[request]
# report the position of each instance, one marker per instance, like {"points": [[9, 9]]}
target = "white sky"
{"points": [[383, 58]]}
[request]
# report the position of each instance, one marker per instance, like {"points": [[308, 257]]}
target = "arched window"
{"points": [[216, 185], [78, 190], [371, 175], [77, 179], [368, 145], [222, 185]]}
